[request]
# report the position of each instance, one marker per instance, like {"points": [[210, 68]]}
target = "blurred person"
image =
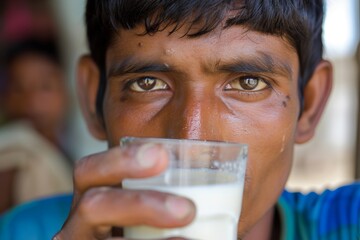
{"points": [[34, 155], [36, 88], [239, 71]]}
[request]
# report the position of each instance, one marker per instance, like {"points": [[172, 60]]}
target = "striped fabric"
{"points": [[332, 215]]}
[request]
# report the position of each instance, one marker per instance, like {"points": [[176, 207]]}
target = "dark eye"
{"points": [[247, 84], [147, 84]]}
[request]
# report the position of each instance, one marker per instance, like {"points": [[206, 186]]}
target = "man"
{"points": [[239, 71], [35, 88], [33, 159]]}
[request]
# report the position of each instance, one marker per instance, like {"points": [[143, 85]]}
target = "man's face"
{"points": [[231, 85], [36, 92]]}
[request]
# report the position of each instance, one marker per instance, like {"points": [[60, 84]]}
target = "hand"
{"points": [[100, 204]]}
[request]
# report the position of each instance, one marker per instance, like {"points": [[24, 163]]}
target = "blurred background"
{"points": [[330, 159]]}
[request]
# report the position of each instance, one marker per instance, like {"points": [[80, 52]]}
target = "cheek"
{"points": [[271, 138], [60, 106], [270, 157], [266, 126], [270, 135], [128, 118]]}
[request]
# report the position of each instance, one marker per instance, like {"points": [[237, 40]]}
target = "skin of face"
{"points": [[36, 92], [229, 85]]}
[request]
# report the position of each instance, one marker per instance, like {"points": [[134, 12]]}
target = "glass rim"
{"points": [[171, 141]]}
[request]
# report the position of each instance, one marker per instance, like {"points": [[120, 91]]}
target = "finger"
{"points": [[111, 167], [107, 207]]}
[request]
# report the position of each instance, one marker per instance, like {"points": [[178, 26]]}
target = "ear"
{"points": [[88, 77], [316, 94]]}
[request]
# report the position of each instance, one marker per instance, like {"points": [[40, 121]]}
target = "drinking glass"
{"points": [[209, 173]]}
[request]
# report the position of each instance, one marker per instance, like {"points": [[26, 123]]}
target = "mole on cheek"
{"points": [[140, 44], [287, 99]]}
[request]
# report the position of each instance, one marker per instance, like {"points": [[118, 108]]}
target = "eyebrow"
{"points": [[262, 63], [129, 65]]}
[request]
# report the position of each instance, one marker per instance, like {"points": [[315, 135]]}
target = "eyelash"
{"points": [[268, 83], [251, 94], [127, 83]]}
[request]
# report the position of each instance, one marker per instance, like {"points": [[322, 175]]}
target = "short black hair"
{"points": [[45, 47], [298, 21]]}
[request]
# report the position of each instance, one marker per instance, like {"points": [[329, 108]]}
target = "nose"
{"points": [[194, 116]]}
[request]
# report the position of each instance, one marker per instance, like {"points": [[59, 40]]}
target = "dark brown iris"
{"points": [[249, 83], [146, 83]]}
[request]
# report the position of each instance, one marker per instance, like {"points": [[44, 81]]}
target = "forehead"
{"points": [[31, 59], [29, 68], [223, 45]]}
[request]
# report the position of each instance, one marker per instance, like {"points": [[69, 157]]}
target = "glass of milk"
{"points": [[209, 173]]}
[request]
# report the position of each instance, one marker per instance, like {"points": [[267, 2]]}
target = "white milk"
{"points": [[217, 196]]}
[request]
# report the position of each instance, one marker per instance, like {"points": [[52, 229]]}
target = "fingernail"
{"points": [[148, 155], [178, 207]]}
